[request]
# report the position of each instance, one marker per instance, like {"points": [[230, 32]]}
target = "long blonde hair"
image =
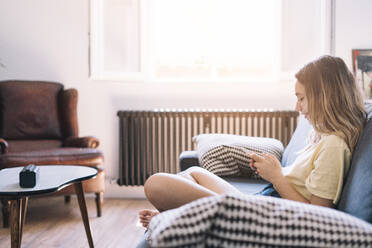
{"points": [[335, 102]]}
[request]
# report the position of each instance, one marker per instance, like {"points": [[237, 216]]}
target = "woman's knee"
{"points": [[190, 173], [157, 189], [154, 185], [194, 169], [197, 171]]}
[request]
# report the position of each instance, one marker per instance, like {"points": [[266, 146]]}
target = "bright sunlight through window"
{"points": [[198, 41], [215, 40]]}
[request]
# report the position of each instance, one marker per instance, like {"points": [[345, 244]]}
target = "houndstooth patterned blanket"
{"points": [[226, 155], [256, 221]]}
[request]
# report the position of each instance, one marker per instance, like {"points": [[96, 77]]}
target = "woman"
{"points": [[328, 97]]}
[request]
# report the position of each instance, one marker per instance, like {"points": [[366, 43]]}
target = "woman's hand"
{"points": [[267, 166], [146, 215]]}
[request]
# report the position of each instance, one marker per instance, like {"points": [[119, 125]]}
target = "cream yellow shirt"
{"points": [[320, 168]]}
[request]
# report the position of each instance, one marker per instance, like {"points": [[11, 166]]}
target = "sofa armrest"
{"points": [[3, 146], [188, 159], [83, 142]]}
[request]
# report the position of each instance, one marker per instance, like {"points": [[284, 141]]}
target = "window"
{"points": [[205, 40], [215, 40]]}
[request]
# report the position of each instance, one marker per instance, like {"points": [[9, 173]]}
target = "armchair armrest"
{"points": [[83, 142], [3, 146]]}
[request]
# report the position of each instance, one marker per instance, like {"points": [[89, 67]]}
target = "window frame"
{"points": [[96, 47]]}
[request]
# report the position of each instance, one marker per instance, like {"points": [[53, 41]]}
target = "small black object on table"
{"points": [[48, 179], [29, 176]]}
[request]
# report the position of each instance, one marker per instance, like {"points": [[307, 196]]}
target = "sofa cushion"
{"points": [[237, 220], [356, 197], [226, 154], [247, 186], [297, 142], [244, 184]]}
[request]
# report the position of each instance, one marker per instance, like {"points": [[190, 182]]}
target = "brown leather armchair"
{"points": [[38, 125]]}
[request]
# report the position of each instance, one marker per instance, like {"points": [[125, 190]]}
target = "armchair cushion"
{"points": [[88, 142], [29, 111], [225, 154], [32, 145], [74, 156], [256, 221]]}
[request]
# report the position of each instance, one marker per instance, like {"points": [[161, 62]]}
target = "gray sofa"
{"points": [[356, 198], [250, 185]]}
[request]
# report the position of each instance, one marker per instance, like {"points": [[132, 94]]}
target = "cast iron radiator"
{"points": [[151, 141]]}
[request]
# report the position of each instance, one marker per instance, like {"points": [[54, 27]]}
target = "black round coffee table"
{"points": [[52, 178]]}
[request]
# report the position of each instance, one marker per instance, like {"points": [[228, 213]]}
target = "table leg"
{"points": [[24, 203], [17, 218], [5, 209], [83, 210]]}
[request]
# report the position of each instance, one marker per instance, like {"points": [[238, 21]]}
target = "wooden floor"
{"points": [[52, 223]]}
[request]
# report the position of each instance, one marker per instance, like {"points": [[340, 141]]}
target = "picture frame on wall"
{"points": [[362, 68]]}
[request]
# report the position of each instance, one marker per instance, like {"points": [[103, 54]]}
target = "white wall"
{"points": [[353, 27], [49, 40]]}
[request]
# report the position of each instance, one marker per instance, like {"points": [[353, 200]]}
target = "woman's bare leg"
{"points": [[168, 191]]}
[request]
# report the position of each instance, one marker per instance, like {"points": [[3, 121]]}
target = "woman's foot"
{"points": [[146, 215]]}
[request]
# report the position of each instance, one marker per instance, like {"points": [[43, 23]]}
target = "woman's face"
{"points": [[301, 104]]}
